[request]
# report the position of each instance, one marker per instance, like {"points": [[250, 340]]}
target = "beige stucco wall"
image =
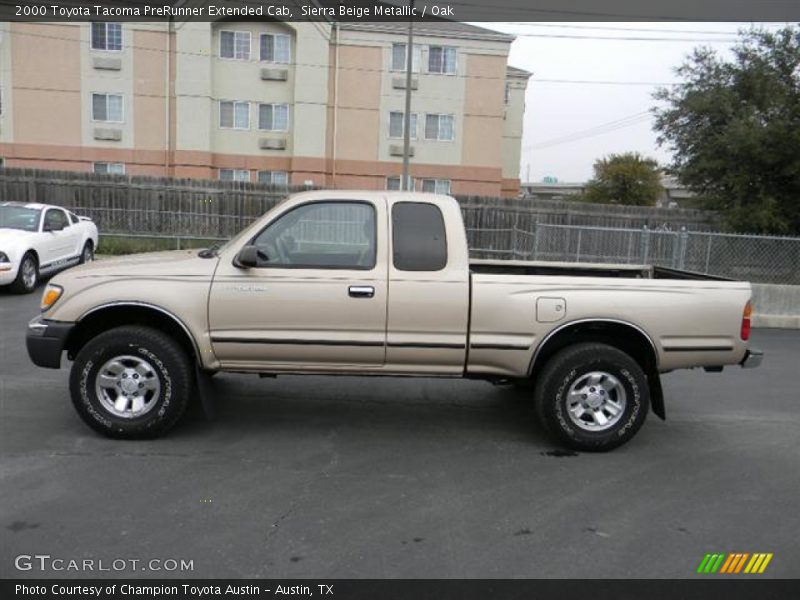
{"points": [[150, 65], [6, 83], [483, 111], [512, 127], [46, 83], [204, 79], [357, 110]]}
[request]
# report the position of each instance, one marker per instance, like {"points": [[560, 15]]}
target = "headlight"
{"points": [[51, 294]]}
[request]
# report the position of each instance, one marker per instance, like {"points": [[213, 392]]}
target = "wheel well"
{"points": [[89, 242], [34, 254], [116, 316], [624, 337]]}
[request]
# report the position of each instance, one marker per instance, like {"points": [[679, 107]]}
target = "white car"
{"points": [[37, 240]]}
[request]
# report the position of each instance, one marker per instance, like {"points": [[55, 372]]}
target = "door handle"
{"points": [[361, 291]]}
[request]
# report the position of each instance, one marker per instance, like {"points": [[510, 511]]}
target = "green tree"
{"points": [[627, 178], [734, 128]]}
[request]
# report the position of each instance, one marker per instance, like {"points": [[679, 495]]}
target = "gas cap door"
{"points": [[550, 310]]}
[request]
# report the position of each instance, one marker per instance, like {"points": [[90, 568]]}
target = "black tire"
{"points": [[169, 369], [87, 254], [569, 370], [20, 285]]}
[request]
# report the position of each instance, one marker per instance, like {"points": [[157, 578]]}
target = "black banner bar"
{"points": [[732, 588], [401, 10]]}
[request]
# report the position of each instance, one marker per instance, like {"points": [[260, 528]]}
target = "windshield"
{"points": [[19, 217]]}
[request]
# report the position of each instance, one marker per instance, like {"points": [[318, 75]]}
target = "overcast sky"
{"points": [[555, 110]]}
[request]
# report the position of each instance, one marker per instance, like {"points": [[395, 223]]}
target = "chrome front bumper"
{"points": [[752, 358]]}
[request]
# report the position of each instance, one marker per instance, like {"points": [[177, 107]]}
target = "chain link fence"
{"points": [[760, 259]]}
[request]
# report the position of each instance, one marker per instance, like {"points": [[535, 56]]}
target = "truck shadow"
{"points": [[391, 406]]}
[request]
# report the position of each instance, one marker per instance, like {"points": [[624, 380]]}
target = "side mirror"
{"points": [[249, 257]]}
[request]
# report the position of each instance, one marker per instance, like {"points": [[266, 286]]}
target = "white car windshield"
{"points": [[19, 217]]}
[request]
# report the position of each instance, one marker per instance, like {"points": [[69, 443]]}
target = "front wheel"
{"points": [[131, 382], [27, 276], [592, 397]]}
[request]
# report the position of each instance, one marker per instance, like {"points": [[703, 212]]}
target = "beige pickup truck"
{"points": [[381, 283]]}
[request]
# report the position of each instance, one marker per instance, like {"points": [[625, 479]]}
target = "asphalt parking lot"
{"points": [[382, 478]]}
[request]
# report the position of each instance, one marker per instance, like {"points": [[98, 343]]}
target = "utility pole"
{"points": [[406, 182]]}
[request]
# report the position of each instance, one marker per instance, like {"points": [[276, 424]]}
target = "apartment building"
{"points": [[317, 104]]}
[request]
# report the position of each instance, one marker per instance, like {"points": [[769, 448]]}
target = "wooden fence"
{"points": [[191, 207]]}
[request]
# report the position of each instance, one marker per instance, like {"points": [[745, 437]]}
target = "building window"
{"points": [[107, 108], [397, 125], [439, 128], [234, 115], [234, 175], [442, 59], [436, 186], [393, 183], [2, 162], [107, 36], [274, 177], [507, 98], [399, 56], [273, 117], [234, 44], [275, 47], [109, 168]]}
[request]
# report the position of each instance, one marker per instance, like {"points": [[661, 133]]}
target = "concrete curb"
{"points": [[776, 306]]}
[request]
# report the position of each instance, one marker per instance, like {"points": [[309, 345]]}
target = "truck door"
{"points": [[428, 314], [316, 300]]}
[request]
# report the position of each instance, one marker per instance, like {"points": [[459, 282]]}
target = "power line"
{"points": [[604, 82], [601, 129], [628, 29], [615, 38]]}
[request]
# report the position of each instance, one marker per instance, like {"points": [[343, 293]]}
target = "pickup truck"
{"points": [[381, 283]]}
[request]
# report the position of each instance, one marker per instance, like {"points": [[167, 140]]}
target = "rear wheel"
{"points": [[131, 382], [592, 397], [27, 275]]}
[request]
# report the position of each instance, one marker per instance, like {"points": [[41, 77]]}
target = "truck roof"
{"points": [[372, 195]]}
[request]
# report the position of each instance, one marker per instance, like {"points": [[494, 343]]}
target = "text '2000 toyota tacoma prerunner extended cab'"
{"points": [[377, 283]]}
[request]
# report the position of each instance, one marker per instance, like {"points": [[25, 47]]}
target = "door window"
{"points": [[321, 235], [55, 220]]}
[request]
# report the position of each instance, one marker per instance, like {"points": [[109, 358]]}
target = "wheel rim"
{"points": [[128, 386], [28, 273], [87, 254], [596, 401]]}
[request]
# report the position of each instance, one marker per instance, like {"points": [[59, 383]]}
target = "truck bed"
{"points": [[519, 267]]}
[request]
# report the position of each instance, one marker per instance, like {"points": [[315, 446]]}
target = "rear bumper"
{"points": [[752, 358], [45, 341]]}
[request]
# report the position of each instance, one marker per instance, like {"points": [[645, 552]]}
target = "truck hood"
{"points": [[177, 263]]}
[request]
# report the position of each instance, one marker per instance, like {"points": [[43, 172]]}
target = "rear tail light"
{"points": [[748, 311]]}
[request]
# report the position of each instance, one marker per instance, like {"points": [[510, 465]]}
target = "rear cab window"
{"points": [[419, 240]]}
